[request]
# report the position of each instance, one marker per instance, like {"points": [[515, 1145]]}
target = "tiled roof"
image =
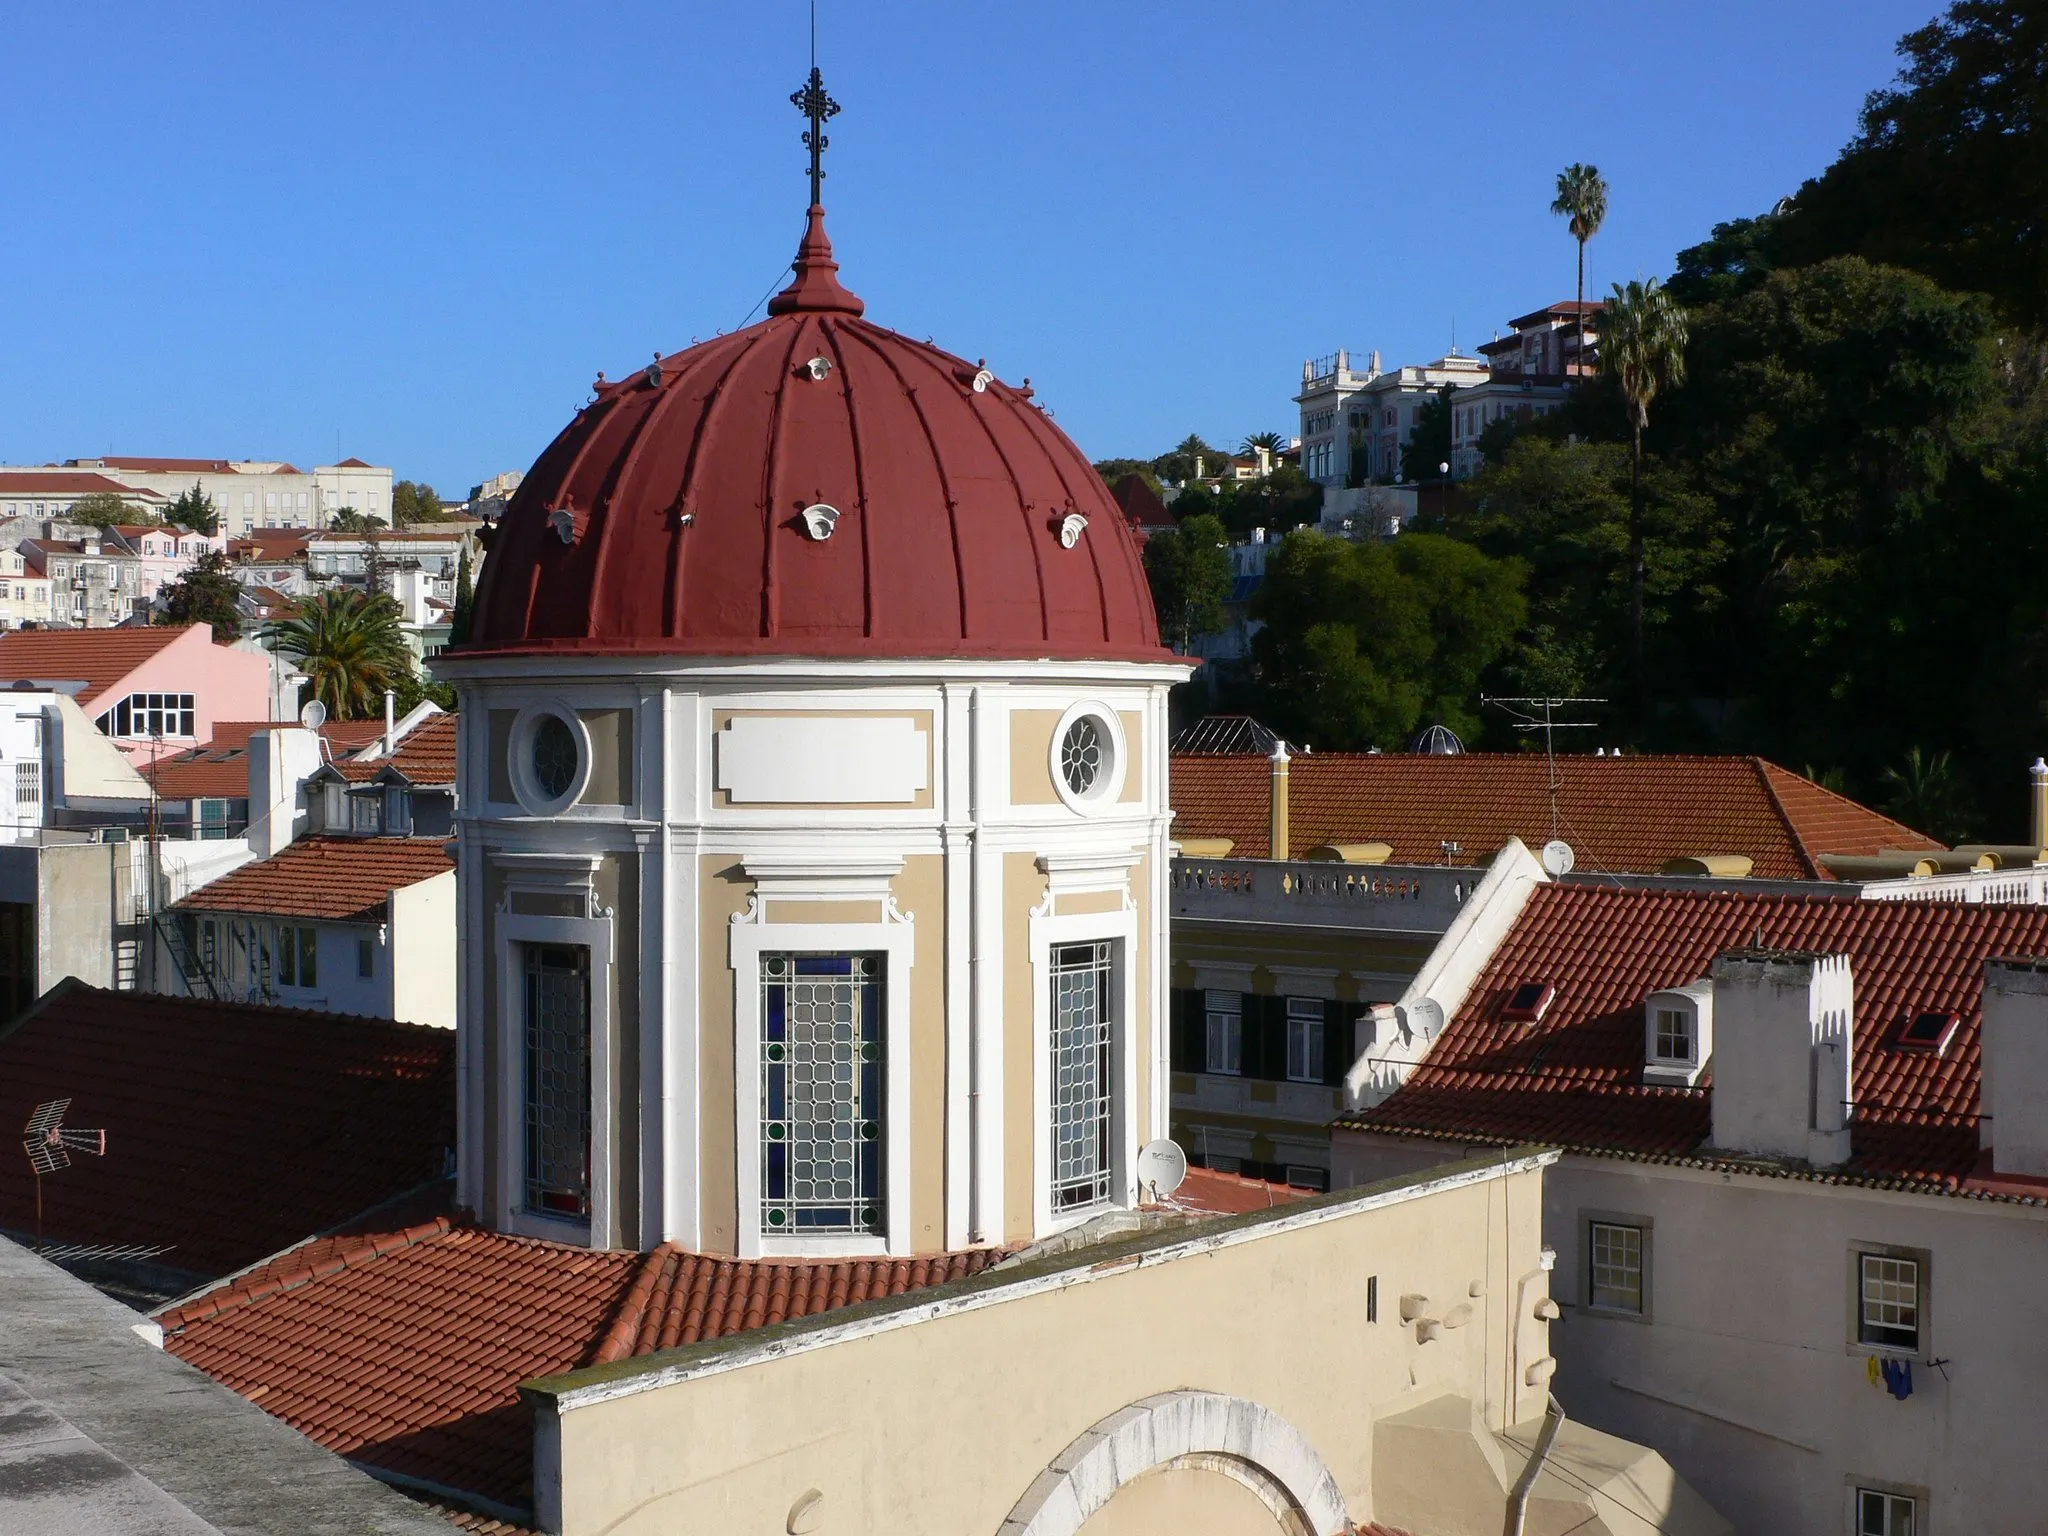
{"points": [[1624, 815], [1575, 1078], [426, 755], [340, 735], [1213, 1193], [220, 769], [342, 879], [171, 466], [232, 1130], [405, 1350], [99, 657], [68, 482]]}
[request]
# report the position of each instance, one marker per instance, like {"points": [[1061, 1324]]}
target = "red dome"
{"points": [[682, 493]]}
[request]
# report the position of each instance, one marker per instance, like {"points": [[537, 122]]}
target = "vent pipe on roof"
{"points": [[2037, 799], [390, 721], [1279, 847]]}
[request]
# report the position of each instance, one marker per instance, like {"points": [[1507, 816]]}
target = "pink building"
{"points": [[156, 689], [166, 552]]}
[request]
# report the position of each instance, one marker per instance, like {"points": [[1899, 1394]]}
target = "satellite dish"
{"points": [[1558, 857], [1161, 1167], [314, 715]]}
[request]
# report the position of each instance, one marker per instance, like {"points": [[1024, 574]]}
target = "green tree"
{"points": [[194, 509], [1581, 198], [1642, 344], [206, 594], [1272, 442], [1948, 174], [1429, 444], [413, 502], [104, 509], [1363, 641], [350, 520], [465, 602], [1927, 794], [1190, 575], [1178, 465], [351, 646]]}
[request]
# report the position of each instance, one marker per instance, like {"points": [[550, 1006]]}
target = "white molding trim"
{"points": [[1082, 928], [1071, 874], [1223, 975], [519, 752], [595, 934], [1160, 1430], [809, 876], [1305, 981], [753, 935]]}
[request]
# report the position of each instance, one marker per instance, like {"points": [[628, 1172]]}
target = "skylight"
{"points": [[1930, 1031], [1529, 1002]]}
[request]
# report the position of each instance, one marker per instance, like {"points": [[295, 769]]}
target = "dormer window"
{"points": [[1928, 1032], [1678, 1035], [1529, 1002]]}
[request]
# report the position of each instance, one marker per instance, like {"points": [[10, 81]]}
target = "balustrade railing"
{"points": [[1251, 890]]}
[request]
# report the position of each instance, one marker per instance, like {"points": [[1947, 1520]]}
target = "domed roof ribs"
{"points": [[715, 398], [938, 462], [836, 343], [1024, 510], [1094, 546], [778, 418]]}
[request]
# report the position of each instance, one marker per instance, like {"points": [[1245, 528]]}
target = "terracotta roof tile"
{"points": [[342, 879], [1214, 1193], [1575, 1078], [1626, 815], [68, 482], [232, 1130], [426, 755], [100, 658], [220, 769], [409, 1359]]}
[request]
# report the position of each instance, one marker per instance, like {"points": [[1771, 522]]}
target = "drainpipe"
{"points": [[2037, 798], [1518, 1501], [1279, 847], [390, 721]]}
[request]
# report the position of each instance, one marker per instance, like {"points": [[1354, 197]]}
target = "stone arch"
{"points": [[1185, 1426]]}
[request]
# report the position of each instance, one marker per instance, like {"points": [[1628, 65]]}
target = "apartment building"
{"points": [[246, 493]]}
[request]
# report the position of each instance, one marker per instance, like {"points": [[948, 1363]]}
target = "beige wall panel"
{"points": [[921, 718], [1094, 901], [611, 756], [1186, 1501], [1031, 756], [921, 894], [723, 890], [1023, 889], [1004, 1389], [828, 911], [498, 766], [1134, 755]]}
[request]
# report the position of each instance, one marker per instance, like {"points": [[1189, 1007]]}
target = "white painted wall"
{"points": [[417, 974]]}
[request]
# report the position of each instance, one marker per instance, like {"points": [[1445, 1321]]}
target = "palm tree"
{"points": [[1642, 343], [1582, 198], [350, 646], [1272, 442]]}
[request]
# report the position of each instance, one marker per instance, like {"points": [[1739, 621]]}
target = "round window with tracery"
{"points": [[1083, 755], [554, 756]]}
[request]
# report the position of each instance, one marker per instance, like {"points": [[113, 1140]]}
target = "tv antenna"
{"points": [[1540, 714], [49, 1144]]}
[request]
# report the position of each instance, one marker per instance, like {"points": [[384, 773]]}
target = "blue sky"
{"points": [[419, 229]]}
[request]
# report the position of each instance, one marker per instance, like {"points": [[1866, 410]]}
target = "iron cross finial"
{"points": [[819, 108]]}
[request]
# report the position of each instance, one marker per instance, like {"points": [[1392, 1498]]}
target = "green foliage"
{"points": [[194, 509], [1581, 199], [104, 509], [412, 690], [1113, 470], [1949, 173], [1189, 570], [465, 603], [351, 646], [1272, 442], [413, 503], [1728, 263], [206, 594], [350, 520], [1429, 445], [1178, 466], [1927, 794], [1365, 641]]}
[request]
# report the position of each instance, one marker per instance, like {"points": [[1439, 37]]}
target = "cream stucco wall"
{"points": [[983, 1393], [421, 987]]}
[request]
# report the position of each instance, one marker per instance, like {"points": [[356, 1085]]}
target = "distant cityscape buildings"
{"points": [[246, 493]]}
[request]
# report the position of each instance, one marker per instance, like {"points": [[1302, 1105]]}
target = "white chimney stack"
{"points": [[280, 761], [1784, 1055], [2012, 1095]]}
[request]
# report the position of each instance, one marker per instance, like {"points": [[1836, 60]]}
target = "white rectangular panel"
{"points": [[822, 760]]}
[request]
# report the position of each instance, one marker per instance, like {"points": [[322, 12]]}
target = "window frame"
{"points": [[1855, 1486], [1108, 964], [526, 788], [870, 1090], [1645, 1229], [1313, 1031], [1211, 1017], [1920, 1348], [1108, 787], [1051, 929], [525, 1052]]}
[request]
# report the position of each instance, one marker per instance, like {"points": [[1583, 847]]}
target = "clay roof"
{"points": [[426, 755], [270, 544], [341, 879], [1141, 504], [1562, 308], [352, 463], [171, 466], [1625, 815], [232, 1130], [404, 1350], [101, 658], [682, 487], [1213, 1193], [220, 768], [1575, 1078], [67, 482]]}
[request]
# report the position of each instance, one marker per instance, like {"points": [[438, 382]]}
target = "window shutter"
{"points": [[1338, 1043], [1189, 1044], [1271, 1058]]}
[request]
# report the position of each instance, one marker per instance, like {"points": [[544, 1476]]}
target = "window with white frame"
{"points": [[28, 784], [822, 1094], [1888, 1301], [1616, 1266], [1880, 1512], [1083, 1073], [1304, 1039], [1225, 1053], [1674, 1035], [557, 1078], [150, 714]]}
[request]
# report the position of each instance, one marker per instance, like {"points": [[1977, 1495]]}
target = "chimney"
{"points": [[280, 761], [390, 721], [2037, 802], [2012, 1095], [1277, 827], [1783, 1054]]}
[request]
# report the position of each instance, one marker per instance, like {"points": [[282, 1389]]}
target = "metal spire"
{"points": [[812, 101]]}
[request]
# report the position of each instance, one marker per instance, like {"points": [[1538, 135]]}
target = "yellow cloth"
{"points": [[1870, 1369]]}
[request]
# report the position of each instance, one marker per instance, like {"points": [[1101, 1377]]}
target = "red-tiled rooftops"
{"points": [[426, 755], [341, 879], [99, 657], [1627, 815]]}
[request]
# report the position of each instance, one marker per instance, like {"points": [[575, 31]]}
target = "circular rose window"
{"points": [[1083, 756], [554, 756]]}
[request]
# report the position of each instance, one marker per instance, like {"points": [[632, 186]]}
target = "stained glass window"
{"points": [[822, 1094], [1083, 1029]]}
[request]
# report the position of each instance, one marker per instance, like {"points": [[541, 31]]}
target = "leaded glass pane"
{"points": [[822, 1094], [1081, 755], [558, 1079], [1891, 1301], [554, 756], [1617, 1279], [1083, 1017]]}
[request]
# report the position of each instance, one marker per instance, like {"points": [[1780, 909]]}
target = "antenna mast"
{"points": [[1540, 714]]}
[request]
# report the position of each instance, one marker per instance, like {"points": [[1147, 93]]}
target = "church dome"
{"points": [[814, 485]]}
